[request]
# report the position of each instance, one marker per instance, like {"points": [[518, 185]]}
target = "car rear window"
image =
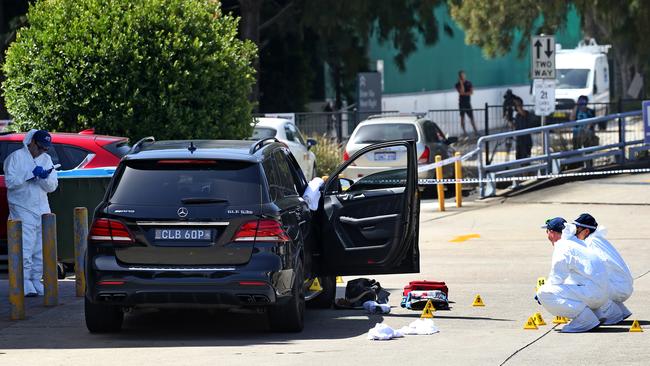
{"points": [[167, 182], [370, 134], [263, 132], [118, 148]]}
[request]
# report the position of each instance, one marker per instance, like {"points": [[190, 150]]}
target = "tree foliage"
{"points": [[335, 31], [169, 68], [492, 25]]}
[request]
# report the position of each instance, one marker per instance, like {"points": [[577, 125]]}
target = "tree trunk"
{"points": [[250, 29]]}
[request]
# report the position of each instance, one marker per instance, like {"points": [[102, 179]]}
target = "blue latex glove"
{"points": [[45, 174], [39, 171], [537, 299]]}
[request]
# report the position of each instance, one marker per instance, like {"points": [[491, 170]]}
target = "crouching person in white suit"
{"points": [[618, 274], [577, 283]]}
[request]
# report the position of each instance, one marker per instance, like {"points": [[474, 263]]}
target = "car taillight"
{"points": [[261, 230], [424, 158], [110, 230], [346, 156]]}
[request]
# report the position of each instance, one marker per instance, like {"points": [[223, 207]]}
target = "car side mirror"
{"points": [[451, 140], [595, 88], [345, 184], [310, 143]]}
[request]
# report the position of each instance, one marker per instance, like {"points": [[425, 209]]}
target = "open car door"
{"points": [[371, 211]]}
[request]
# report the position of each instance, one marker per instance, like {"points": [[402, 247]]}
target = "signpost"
{"points": [[369, 92], [646, 121], [542, 52], [542, 70], [544, 96]]}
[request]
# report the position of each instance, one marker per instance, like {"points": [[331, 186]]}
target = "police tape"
{"points": [[453, 159], [424, 182]]}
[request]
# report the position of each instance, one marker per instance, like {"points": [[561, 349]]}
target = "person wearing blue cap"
{"points": [[618, 274], [30, 176], [577, 282]]}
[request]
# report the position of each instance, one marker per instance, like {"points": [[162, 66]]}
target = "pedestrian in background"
{"points": [[583, 136], [30, 176], [465, 91], [523, 120]]}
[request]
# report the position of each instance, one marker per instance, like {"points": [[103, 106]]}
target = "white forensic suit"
{"points": [[618, 274], [27, 198], [576, 285]]}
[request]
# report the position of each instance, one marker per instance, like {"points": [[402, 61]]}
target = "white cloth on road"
{"points": [[373, 307], [312, 193], [577, 279], [382, 332], [618, 273], [27, 199], [420, 327]]}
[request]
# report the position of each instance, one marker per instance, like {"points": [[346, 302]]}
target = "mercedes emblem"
{"points": [[182, 212]]}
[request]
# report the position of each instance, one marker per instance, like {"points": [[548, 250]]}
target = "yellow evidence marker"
{"points": [[559, 320], [478, 301], [530, 323], [538, 319], [636, 327], [339, 279], [428, 310], [315, 286], [540, 283]]}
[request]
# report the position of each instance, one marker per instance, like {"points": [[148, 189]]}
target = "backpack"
{"points": [[417, 293], [360, 290]]}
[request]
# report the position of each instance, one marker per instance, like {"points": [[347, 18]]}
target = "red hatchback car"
{"points": [[72, 151]]}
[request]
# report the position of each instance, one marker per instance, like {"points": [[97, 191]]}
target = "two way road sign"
{"points": [[542, 52]]}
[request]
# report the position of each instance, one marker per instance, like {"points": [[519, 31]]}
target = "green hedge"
{"points": [[169, 68], [328, 155]]}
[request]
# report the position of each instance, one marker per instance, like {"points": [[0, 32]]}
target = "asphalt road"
{"points": [[501, 262]]}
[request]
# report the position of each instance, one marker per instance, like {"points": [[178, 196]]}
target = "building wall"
{"points": [[435, 68]]}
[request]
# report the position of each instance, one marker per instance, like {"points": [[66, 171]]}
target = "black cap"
{"points": [[554, 224], [586, 220]]}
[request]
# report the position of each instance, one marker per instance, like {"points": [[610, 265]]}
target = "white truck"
{"points": [[583, 70]]}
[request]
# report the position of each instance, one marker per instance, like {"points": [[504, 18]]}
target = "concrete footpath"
{"points": [[494, 248]]}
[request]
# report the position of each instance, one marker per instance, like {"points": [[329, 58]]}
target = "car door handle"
{"points": [[357, 196]]}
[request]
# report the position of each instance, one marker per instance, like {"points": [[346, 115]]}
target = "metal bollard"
{"points": [[459, 175], [80, 244], [441, 187], [15, 259], [50, 279]]}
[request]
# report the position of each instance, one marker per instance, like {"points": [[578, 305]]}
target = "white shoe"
{"points": [[609, 313], [38, 286], [29, 289], [584, 322], [624, 310]]}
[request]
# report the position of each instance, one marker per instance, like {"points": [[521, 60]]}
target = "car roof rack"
{"points": [[259, 144], [397, 114], [138, 145]]}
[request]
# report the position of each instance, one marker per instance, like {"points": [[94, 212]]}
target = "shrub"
{"points": [[328, 154], [168, 68]]}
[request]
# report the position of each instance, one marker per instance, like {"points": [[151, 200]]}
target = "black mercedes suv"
{"points": [[223, 224]]}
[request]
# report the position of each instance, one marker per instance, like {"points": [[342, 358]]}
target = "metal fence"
{"points": [[555, 148]]}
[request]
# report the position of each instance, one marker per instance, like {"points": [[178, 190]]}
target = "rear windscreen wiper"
{"points": [[199, 200]]}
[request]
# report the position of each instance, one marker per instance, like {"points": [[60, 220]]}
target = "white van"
{"points": [[582, 71]]}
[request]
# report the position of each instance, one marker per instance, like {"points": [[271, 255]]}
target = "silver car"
{"points": [[430, 141]]}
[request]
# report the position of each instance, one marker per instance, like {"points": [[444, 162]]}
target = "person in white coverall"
{"points": [[577, 283], [30, 176], [618, 274]]}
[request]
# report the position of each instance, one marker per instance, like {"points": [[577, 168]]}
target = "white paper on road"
{"points": [[382, 332], [420, 327]]}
